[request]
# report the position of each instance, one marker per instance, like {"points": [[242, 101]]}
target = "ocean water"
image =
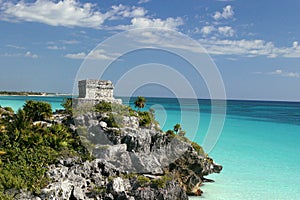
{"points": [[259, 147], [17, 102]]}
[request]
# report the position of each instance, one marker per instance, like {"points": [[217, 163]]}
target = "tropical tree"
{"points": [[37, 111], [140, 102], [177, 128], [67, 104]]}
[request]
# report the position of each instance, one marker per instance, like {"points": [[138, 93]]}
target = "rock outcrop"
{"points": [[132, 162], [98, 179]]}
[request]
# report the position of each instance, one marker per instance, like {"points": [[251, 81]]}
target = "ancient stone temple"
{"points": [[93, 91]]}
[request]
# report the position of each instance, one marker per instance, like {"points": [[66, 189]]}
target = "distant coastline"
{"points": [[13, 93]]}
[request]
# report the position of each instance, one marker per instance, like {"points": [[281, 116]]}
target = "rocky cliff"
{"points": [[131, 162]]}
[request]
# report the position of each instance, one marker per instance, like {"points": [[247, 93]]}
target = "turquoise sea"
{"points": [[259, 147]]}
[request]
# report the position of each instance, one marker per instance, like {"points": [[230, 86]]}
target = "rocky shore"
{"points": [[132, 158]]}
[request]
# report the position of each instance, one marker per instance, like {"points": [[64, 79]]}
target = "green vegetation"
{"points": [[170, 133], [37, 111], [159, 182], [67, 105], [120, 109], [143, 180], [140, 102], [20, 93], [27, 149], [162, 181], [198, 148], [177, 128], [145, 119]]}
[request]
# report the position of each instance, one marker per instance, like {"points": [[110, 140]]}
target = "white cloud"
{"points": [[80, 55], [143, 22], [14, 46], [277, 72], [70, 41], [30, 55], [122, 11], [54, 47], [295, 44], [68, 13], [226, 31], [98, 54], [207, 30], [226, 14], [170, 23], [27, 54], [280, 72], [249, 48], [143, 1], [72, 13]]}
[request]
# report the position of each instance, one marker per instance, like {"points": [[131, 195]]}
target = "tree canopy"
{"points": [[140, 102]]}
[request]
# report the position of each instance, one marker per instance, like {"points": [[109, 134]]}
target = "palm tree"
{"points": [[177, 128], [140, 102]]}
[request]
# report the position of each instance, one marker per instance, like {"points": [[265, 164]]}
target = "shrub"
{"points": [[170, 133], [145, 119], [37, 111], [120, 109], [143, 180], [67, 105], [198, 148], [103, 106], [161, 182], [27, 150]]}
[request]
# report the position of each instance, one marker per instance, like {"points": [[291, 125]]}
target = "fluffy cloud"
{"points": [[71, 13], [207, 29], [222, 30], [170, 23], [143, 22], [226, 14], [226, 31], [122, 11], [295, 44], [68, 13]]}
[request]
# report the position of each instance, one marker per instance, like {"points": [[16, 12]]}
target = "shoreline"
{"points": [[35, 95]]}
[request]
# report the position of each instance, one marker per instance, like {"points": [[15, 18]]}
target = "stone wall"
{"points": [[93, 91]]}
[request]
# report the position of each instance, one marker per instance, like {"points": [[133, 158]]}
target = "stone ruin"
{"points": [[94, 91]]}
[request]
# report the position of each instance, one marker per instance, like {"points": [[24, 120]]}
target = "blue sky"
{"points": [[255, 44]]}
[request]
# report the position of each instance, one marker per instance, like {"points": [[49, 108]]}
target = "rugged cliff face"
{"points": [[132, 162]]}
